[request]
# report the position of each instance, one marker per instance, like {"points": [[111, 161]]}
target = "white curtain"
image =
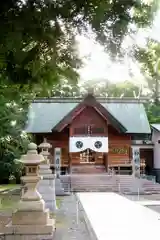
{"points": [[78, 144], [97, 144]]}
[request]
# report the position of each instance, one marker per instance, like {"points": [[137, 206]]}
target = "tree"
{"points": [[38, 48], [37, 40], [108, 89], [149, 59], [13, 141], [153, 112], [99, 88]]}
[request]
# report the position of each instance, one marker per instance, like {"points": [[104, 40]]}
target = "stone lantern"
{"points": [[46, 185], [44, 147], [31, 219]]}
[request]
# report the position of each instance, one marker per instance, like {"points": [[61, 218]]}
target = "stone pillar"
{"points": [[156, 152], [58, 184], [46, 186], [137, 184], [57, 161], [31, 220], [136, 161]]}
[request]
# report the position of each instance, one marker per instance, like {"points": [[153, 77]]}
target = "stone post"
{"points": [[136, 161], [57, 164], [31, 220], [46, 186], [137, 184]]}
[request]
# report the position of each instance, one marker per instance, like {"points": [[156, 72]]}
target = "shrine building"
{"points": [[93, 134]]}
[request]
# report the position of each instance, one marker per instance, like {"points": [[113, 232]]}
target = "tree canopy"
{"points": [[37, 40], [100, 88], [13, 141], [38, 48], [149, 59]]}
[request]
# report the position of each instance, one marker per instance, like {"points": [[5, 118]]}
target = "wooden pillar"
{"points": [[96, 158], [69, 162], [106, 161]]}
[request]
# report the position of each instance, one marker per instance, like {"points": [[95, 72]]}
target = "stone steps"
{"points": [[96, 183], [66, 182], [146, 185], [105, 183], [88, 169]]}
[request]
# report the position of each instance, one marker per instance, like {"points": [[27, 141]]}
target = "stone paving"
{"points": [[149, 197], [68, 228]]}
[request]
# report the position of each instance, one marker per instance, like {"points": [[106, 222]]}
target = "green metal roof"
{"points": [[44, 115]]}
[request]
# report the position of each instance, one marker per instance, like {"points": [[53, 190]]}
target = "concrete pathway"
{"points": [[115, 217], [68, 228], [152, 201]]}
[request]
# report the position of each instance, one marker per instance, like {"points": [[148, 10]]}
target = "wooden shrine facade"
{"points": [[89, 118]]}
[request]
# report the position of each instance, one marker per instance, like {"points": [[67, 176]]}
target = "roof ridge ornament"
{"points": [[88, 93], [91, 91]]}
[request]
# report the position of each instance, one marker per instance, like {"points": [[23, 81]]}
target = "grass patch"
{"points": [[58, 202], [8, 201], [6, 187]]}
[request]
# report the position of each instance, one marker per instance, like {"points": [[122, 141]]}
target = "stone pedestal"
{"points": [[156, 173], [58, 187], [58, 184], [46, 186], [31, 220], [136, 186]]}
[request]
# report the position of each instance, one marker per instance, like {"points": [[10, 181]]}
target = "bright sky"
{"points": [[97, 65]]}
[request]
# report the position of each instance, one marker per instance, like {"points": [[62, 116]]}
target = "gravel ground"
{"points": [[68, 228]]}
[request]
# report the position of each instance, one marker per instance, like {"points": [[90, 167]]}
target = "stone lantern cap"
{"points": [[32, 157], [45, 144]]}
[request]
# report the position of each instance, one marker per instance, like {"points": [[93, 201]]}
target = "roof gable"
{"points": [[44, 114], [91, 102]]}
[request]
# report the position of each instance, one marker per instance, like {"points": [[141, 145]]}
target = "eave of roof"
{"points": [[99, 99], [45, 113], [156, 126]]}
